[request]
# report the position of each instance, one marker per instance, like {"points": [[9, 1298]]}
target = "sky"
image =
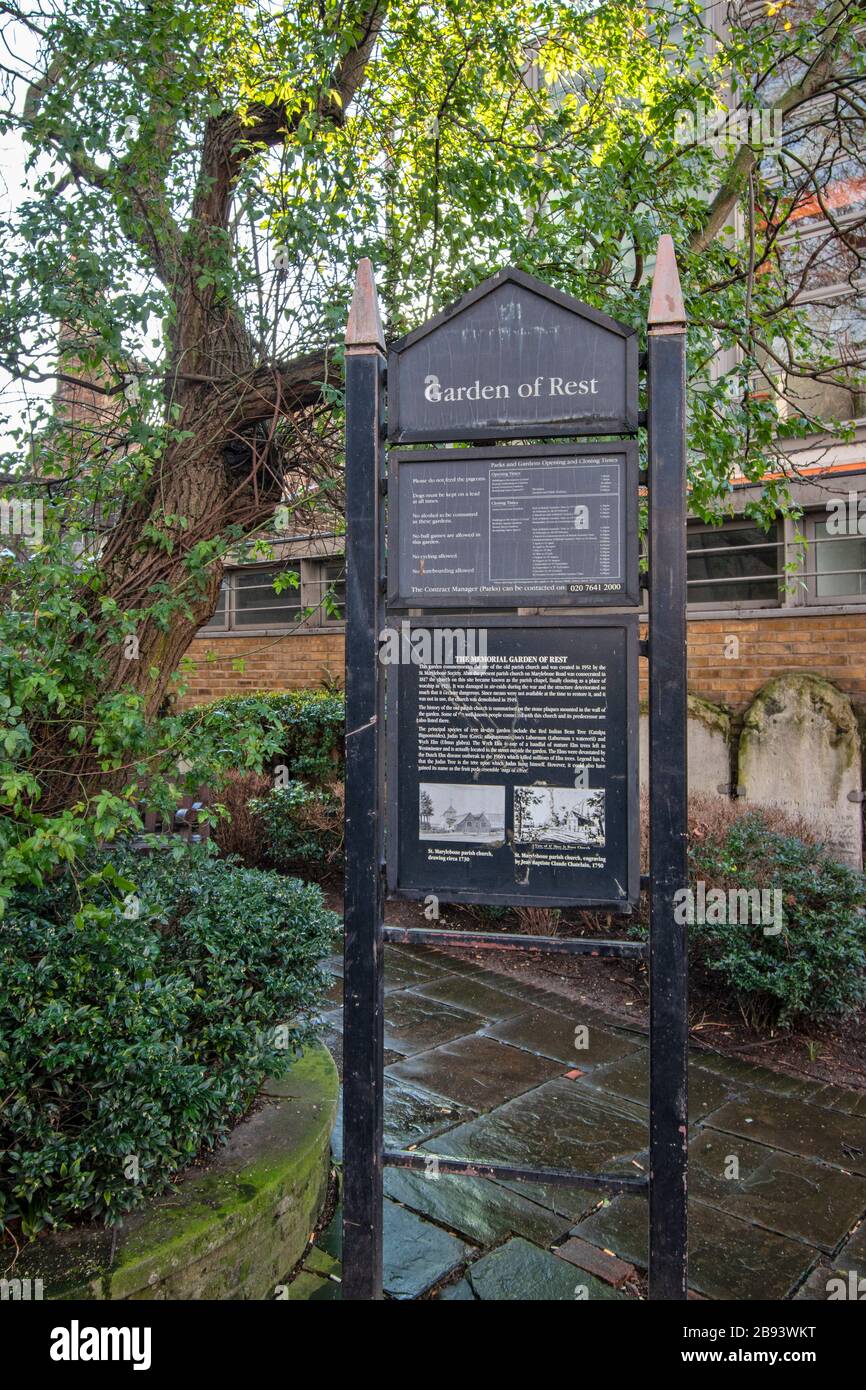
{"points": [[13, 184]]}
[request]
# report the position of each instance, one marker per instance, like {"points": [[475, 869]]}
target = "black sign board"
{"points": [[513, 526], [501, 765], [514, 359], [513, 761]]}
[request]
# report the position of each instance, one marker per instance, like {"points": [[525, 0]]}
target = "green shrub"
{"points": [[302, 826], [309, 725], [129, 1042], [816, 966]]}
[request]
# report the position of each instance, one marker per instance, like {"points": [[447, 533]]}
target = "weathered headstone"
{"points": [[709, 745], [800, 751]]}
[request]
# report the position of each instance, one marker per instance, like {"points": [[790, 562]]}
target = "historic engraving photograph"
{"points": [[563, 815], [453, 811]]}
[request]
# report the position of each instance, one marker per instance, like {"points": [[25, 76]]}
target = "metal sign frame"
{"points": [[628, 624], [365, 1155], [627, 592]]}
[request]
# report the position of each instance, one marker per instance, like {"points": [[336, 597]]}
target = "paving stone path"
{"points": [[484, 1065]]}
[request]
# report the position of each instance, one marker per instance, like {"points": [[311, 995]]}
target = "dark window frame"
{"points": [[695, 586], [309, 596]]}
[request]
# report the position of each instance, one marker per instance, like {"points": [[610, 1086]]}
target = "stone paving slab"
{"points": [[842, 1279], [552, 1035], [728, 1259], [781, 1122], [794, 1196], [600, 1263], [629, 1077], [520, 1271], [320, 1261], [412, 1115], [458, 963], [402, 972], [414, 1024], [569, 1202], [527, 992], [480, 1211], [461, 1292], [311, 1288], [827, 1285], [416, 1255], [471, 992], [804, 1088], [853, 1253], [476, 1071], [555, 1126], [482, 1064]]}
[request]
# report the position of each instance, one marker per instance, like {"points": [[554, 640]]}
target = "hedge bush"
{"points": [[309, 723], [302, 827], [815, 967], [136, 1026]]}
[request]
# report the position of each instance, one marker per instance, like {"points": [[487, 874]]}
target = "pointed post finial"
{"points": [[667, 310], [364, 328]]}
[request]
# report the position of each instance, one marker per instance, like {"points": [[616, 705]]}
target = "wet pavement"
{"points": [[485, 1065]]}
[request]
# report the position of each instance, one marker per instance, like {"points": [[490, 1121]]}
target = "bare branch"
{"points": [[747, 158]]}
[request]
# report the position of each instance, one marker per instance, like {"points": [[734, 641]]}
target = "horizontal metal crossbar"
{"points": [[556, 1177], [505, 941]]}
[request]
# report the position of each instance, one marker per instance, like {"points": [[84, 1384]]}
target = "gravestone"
{"points": [[800, 751], [709, 747]]}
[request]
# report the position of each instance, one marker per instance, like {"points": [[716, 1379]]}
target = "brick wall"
{"points": [[291, 662], [832, 646]]}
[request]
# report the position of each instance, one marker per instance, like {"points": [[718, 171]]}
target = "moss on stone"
{"points": [[232, 1229], [715, 718], [801, 694]]}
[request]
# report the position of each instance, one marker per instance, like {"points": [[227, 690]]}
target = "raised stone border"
{"points": [[231, 1230]]}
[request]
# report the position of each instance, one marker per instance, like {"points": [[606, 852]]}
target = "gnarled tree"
{"points": [[198, 181]]}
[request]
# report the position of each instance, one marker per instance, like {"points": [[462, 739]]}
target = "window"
{"points": [[326, 590], [735, 563], [308, 594], [257, 603], [220, 613], [835, 564]]}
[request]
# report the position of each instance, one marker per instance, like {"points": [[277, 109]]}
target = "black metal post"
{"points": [[668, 706], [364, 890]]}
